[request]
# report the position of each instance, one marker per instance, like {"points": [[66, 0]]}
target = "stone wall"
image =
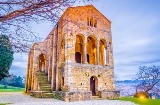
{"points": [[109, 94], [75, 96], [59, 49], [81, 74]]}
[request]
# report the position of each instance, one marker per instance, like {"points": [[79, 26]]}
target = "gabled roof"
{"points": [[91, 7]]}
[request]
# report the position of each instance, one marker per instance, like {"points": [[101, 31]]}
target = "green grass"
{"points": [[141, 101], [11, 89], [4, 103]]}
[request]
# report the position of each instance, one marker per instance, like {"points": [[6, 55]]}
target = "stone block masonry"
{"points": [[76, 58]]}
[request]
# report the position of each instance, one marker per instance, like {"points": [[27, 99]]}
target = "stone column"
{"points": [[105, 59], [97, 51], [49, 69], [85, 50], [107, 55]]}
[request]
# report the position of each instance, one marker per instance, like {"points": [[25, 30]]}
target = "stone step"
{"points": [[96, 98], [42, 77], [41, 74], [38, 94], [44, 89], [43, 82], [48, 95], [46, 86]]}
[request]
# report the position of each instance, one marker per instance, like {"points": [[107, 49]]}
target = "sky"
{"points": [[135, 33]]}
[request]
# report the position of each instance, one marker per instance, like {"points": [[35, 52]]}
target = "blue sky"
{"points": [[135, 31]]}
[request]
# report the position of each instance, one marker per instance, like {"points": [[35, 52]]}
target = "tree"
{"points": [[148, 79], [13, 80], [6, 56], [16, 17]]}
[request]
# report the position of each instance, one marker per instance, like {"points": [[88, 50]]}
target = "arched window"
{"points": [[79, 50], [87, 58], [102, 52], [78, 57], [91, 22], [91, 49], [88, 22], [95, 23], [62, 81]]}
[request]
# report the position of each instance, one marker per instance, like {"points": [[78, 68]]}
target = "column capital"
{"points": [[84, 44], [97, 45]]}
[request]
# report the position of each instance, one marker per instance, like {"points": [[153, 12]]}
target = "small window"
{"points": [[95, 23], [62, 81], [88, 21], [91, 22]]}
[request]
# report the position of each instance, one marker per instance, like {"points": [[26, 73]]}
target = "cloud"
{"points": [[135, 38], [19, 64], [135, 30]]}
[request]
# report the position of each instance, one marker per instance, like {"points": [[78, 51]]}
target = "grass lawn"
{"points": [[4, 103], [10, 89], [141, 101]]}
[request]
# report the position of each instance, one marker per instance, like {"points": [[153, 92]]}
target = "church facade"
{"points": [[76, 58]]}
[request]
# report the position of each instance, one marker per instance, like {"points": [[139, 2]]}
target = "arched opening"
{"points": [[94, 85], [41, 62], [62, 82], [79, 49], [102, 52], [91, 50], [78, 57], [87, 58]]}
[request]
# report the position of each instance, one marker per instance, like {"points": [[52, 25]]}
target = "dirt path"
{"points": [[17, 98]]}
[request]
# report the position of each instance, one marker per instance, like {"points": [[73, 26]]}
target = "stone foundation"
{"points": [[83, 96], [75, 96], [109, 94]]}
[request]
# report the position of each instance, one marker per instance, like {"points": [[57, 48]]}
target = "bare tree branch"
{"points": [[16, 16], [149, 78]]}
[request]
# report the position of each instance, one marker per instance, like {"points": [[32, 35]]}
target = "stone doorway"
{"points": [[41, 62], [93, 85]]}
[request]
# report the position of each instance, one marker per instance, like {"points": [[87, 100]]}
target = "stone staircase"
{"points": [[96, 98], [45, 87]]}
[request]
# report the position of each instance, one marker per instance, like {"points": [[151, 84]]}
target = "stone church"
{"points": [[75, 61]]}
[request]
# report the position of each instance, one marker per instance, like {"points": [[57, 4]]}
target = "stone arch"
{"points": [[79, 48], [102, 51], [41, 62], [91, 49], [94, 85]]}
